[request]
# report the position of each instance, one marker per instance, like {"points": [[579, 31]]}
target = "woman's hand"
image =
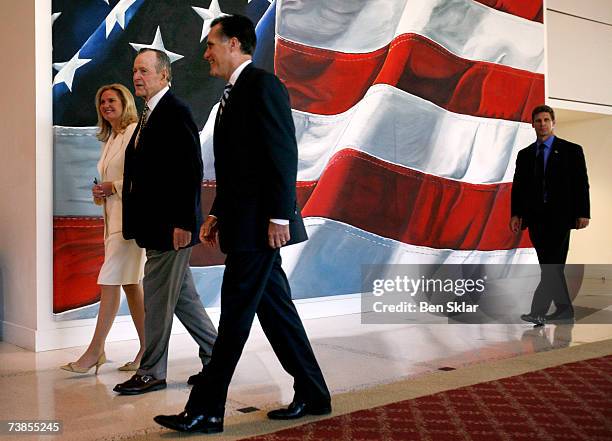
{"points": [[102, 190]]}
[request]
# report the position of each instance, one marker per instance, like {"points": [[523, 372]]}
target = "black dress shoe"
{"points": [[190, 422], [536, 319], [197, 378], [140, 384], [298, 409]]}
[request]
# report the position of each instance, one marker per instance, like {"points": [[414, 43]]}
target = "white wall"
{"points": [[593, 244], [26, 172], [44, 336], [579, 45], [598, 10], [18, 173], [579, 87]]}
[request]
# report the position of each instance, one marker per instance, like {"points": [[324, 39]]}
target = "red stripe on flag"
{"points": [[78, 254], [206, 256], [413, 207], [384, 199], [530, 9], [328, 82]]}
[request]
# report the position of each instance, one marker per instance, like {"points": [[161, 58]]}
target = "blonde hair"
{"points": [[128, 116]]}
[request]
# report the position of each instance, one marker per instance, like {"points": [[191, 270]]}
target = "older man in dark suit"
{"points": [[161, 210], [550, 196], [255, 213]]}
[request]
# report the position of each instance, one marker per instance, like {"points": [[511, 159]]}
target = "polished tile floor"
{"points": [[352, 355]]}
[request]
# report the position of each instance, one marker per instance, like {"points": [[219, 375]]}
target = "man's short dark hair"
{"points": [[543, 108], [240, 27], [163, 61]]}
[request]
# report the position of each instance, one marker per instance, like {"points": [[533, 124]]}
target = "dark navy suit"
{"points": [[549, 202], [256, 170]]}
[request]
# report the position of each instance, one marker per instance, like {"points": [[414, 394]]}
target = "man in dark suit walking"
{"points": [[161, 210], [550, 196], [254, 213]]}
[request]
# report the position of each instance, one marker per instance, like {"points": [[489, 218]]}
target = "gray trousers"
{"points": [[168, 290]]}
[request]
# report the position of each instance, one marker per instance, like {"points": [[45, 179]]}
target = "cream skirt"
{"points": [[123, 261]]}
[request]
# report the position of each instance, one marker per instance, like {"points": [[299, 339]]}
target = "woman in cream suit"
{"points": [[123, 259]]}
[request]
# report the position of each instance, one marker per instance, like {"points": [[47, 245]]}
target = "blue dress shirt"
{"points": [[547, 148]]}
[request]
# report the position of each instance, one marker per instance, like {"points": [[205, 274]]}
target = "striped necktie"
{"points": [[143, 121], [224, 97]]}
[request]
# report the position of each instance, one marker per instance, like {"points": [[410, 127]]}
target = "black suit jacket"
{"points": [[567, 185], [163, 177], [255, 163]]}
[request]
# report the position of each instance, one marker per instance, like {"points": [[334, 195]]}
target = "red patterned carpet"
{"points": [[567, 402]]}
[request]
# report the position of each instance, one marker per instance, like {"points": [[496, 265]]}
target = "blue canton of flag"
{"points": [[95, 42]]}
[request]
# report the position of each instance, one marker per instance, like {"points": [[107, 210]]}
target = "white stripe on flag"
{"points": [[403, 129], [330, 261], [466, 28]]}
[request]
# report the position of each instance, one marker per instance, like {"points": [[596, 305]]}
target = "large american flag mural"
{"points": [[409, 115]]}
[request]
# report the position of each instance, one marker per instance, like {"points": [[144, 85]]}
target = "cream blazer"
{"points": [[110, 168]]}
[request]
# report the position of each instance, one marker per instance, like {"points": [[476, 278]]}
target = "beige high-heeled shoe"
{"points": [[129, 366], [72, 366]]}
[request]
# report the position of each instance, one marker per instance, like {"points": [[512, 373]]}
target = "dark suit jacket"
{"points": [[163, 177], [567, 185], [255, 163]]}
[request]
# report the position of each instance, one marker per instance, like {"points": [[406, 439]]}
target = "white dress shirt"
{"points": [[234, 76], [155, 99]]}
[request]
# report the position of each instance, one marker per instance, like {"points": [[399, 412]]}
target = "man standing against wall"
{"points": [[255, 213], [161, 210], [550, 196]]}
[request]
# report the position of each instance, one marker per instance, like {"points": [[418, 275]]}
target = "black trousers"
{"points": [[254, 282], [551, 243]]}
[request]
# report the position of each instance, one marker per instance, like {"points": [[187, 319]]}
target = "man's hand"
{"points": [[181, 238], [278, 235], [208, 231], [515, 224], [582, 222]]}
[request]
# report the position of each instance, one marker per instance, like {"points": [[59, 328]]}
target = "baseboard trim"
{"points": [[18, 335], [79, 333]]}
